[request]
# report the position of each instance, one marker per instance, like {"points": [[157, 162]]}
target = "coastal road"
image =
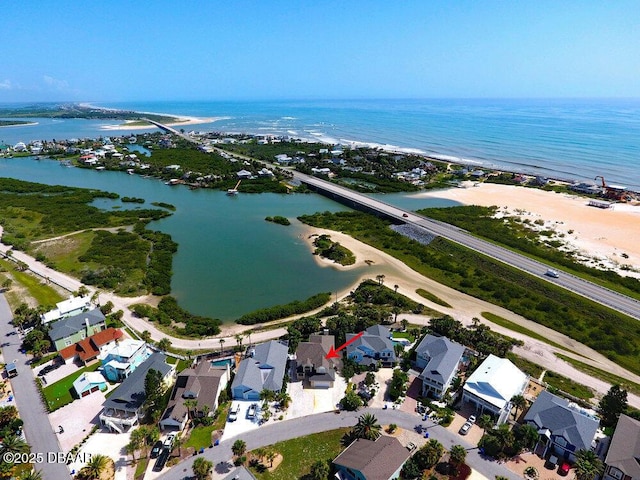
{"points": [[36, 422], [597, 293], [274, 432]]}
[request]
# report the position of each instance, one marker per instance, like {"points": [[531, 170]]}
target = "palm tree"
{"points": [[485, 422], [431, 453], [457, 456], [96, 466], [31, 475], [239, 447], [130, 449], [285, 399], [367, 427], [221, 343], [395, 287], [13, 444], [202, 468], [588, 466], [145, 336], [191, 404], [239, 337], [271, 455], [519, 402], [164, 344], [380, 279]]}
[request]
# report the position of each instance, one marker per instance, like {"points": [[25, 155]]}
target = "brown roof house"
{"points": [[202, 384], [371, 460], [311, 364], [89, 348], [623, 458]]}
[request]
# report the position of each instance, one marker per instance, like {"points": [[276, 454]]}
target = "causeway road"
{"points": [[585, 288]]}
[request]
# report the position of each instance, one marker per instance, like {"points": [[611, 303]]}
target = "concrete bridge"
{"points": [[358, 201]]}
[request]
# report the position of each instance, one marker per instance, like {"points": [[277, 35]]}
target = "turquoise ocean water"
{"points": [[568, 139]]}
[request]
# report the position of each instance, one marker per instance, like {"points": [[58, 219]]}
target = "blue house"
{"points": [[372, 347], [122, 360], [263, 370]]}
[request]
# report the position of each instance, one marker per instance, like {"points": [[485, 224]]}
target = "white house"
{"points": [[493, 384], [66, 308]]}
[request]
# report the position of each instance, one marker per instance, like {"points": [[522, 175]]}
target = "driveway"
{"points": [[36, 422], [308, 401], [109, 444]]}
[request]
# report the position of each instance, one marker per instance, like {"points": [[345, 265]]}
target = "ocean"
{"points": [[572, 139]]}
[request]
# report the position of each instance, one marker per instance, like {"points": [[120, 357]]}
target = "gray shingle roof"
{"points": [[265, 370], [444, 356], [377, 338], [624, 451], [130, 394], [375, 460], [72, 325], [553, 413]]}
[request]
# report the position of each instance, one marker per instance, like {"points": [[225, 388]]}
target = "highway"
{"points": [[597, 293]]}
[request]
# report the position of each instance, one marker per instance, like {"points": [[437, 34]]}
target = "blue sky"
{"points": [[60, 50]]}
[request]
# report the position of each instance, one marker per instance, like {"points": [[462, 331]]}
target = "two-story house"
{"points": [[381, 459], [202, 384], [91, 347], [263, 370], [438, 359], [123, 409], [69, 330], [374, 346], [564, 427], [67, 308], [492, 385], [623, 458], [123, 359], [311, 364]]}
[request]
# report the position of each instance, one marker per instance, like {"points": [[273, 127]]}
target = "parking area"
{"points": [[242, 423], [520, 462], [473, 435], [111, 445], [53, 375], [307, 401]]}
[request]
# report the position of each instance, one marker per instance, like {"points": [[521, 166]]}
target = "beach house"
{"points": [[91, 347], [374, 346], [123, 409], [201, 385], [438, 359], [88, 383], [67, 308], [123, 359], [311, 364], [623, 458], [492, 385], [264, 369], [69, 330], [564, 427], [381, 459]]}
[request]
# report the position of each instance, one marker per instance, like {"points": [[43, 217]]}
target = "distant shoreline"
{"points": [[27, 124]]}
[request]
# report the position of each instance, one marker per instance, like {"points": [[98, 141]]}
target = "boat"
{"points": [[130, 171], [234, 190]]}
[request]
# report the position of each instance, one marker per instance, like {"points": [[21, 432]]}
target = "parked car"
{"points": [[411, 446], [161, 460], [251, 411], [233, 412], [564, 469], [464, 429], [157, 448], [551, 462], [168, 442], [471, 419]]}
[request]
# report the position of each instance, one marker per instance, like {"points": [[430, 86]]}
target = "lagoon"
{"points": [[230, 261]]}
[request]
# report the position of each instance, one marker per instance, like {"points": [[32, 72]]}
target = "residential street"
{"points": [[285, 430], [36, 423]]}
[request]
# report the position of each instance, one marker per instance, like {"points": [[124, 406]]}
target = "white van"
{"points": [[552, 273]]}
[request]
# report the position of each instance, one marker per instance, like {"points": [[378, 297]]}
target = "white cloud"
{"points": [[6, 85], [55, 83]]}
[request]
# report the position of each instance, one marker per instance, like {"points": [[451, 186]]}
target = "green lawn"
{"points": [[43, 294], [300, 453], [503, 322], [431, 297], [59, 394], [201, 436], [608, 377], [406, 335]]}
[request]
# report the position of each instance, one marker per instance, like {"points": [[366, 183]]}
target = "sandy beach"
{"points": [[604, 237], [181, 122]]}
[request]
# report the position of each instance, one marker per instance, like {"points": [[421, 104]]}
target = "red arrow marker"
{"points": [[333, 353]]}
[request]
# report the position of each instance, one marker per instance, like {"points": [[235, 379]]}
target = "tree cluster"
{"points": [[282, 311]]}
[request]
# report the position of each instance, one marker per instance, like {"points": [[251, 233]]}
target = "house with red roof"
{"points": [[89, 348]]}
